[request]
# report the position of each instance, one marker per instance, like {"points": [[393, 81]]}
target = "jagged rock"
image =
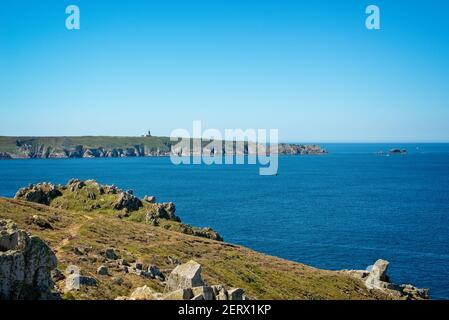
{"points": [[25, 264], [149, 199], [167, 211], [112, 189], [379, 270], [127, 201], [42, 193], [186, 275], [58, 154], [123, 262], [152, 219], [155, 273], [41, 222], [206, 292], [236, 294], [110, 254], [377, 278], [398, 151], [220, 292], [74, 281], [143, 293], [138, 266], [296, 149], [415, 293], [208, 233], [179, 294], [5, 155], [75, 185], [102, 270], [185, 283]]}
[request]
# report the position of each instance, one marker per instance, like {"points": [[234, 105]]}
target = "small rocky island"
{"points": [[119, 147], [398, 151], [86, 240]]}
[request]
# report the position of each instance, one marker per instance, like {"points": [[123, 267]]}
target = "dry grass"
{"points": [[262, 276]]}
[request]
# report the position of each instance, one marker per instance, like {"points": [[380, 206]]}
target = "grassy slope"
{"points": [[262, 276]]}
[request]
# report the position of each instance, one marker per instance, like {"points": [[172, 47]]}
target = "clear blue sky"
{"points": [[309, 68]]}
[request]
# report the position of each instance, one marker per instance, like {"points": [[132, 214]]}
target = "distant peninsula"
{"points": [[118, 147]]}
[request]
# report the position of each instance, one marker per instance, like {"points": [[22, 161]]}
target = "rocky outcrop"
{"points": [[74, 281], [397, 151], [26, 263], [42, 193], [149, 199], [141, 293], [5, 156], [299, 149], [376, 278], [185, 283], [167, 211], [102, 270], [208, 233], [91, 194], [128, 202], [184, 276]]}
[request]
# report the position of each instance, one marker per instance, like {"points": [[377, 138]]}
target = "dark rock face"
{"points": [[398, 151], [128, 201], [26, 263], [295, 149], [75, 184], [5, 155], [167, 211], [110, 254], [207, 233], [42, 193]]}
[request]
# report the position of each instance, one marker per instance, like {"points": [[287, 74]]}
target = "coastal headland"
{"points": [[86, 240], [117, 147]]}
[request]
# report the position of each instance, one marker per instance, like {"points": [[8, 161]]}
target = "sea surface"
{"points": [[343, 210]]}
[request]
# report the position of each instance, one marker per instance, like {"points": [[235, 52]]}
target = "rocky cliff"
{"points": [[110, 244], [26, 263], [117, 147], [90, 196]]}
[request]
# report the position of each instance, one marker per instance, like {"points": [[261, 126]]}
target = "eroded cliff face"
{"points": [[31, 148], [26, 263], [28, 150]]}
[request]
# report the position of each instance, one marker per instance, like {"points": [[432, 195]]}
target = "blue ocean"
{"points": [[343, 210]]}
